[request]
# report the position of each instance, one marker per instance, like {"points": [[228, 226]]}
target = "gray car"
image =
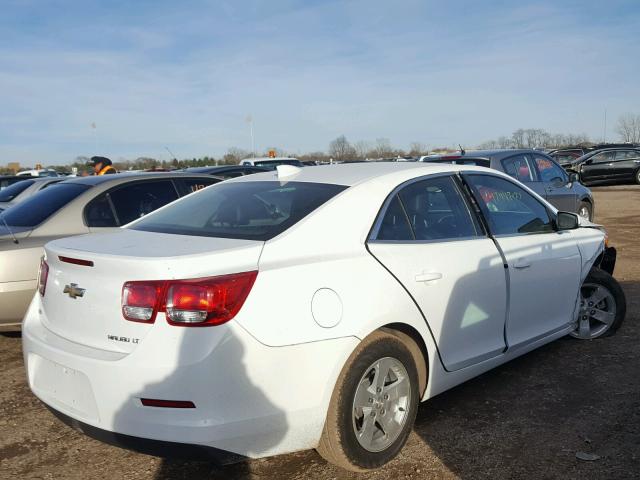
{"points": [[536, 170], [73, 207], [20, 191]]}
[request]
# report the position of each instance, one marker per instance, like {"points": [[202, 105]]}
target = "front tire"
{"points": [[603, 306], [374, 403], [637, 177]]}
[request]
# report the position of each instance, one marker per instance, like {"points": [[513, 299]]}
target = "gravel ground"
{"points": [[526, 419]]}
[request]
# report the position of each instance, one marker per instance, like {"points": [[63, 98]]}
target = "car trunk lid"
{"points": [[82, 301]]}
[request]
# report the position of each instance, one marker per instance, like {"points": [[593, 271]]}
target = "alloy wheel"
{"points": [[597, 311], [381, 404]]}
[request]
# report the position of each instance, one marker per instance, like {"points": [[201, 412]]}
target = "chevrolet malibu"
{"points": [[308, 308]]}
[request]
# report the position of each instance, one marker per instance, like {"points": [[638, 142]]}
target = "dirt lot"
{"points": [[526, 419]]}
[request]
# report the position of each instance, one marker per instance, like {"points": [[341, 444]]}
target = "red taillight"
{"points": [[140, 300], [43, 274], [190, 303], [207, 301]]}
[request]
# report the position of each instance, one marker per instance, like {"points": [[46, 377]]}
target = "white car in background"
{"points": [[308, 308]]}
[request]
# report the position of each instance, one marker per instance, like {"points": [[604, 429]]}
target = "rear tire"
{"points": [[603, 306], [637, 177], [371, 415], [585, 210]]}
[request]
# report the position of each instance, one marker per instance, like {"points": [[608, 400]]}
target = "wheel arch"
{"points": [[421, 356]]}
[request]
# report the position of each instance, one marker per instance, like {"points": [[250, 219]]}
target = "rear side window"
{"points": [[436, 210], [36, 209], [519, 168], [12, 191], [509, 209], [241, 210], [134, 201], [395, 224]]}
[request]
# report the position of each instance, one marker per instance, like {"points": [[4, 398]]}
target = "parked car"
{"points": [[308, 308], [22, 190], [227, 171], [567, 155], [42, 172], [611, 164], [8, 180], [272, 163], [73, 207], [535, 169]]}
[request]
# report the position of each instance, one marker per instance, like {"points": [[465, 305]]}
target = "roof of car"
{"points": [[353, 173], [223, 168], [94, 180]]}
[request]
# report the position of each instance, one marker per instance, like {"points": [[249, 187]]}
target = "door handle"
{"points": [[428, 277], [521, 263]]}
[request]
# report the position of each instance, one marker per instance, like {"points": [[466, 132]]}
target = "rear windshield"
{"points": [[242, 210], [36, 209], [12, 191]]}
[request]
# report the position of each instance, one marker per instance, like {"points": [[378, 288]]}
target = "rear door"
{"points": [[558, 189], [626, 164], [428, 237], [544, 265]]}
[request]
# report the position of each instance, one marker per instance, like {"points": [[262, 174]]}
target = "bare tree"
{"points": [[518, 138], [628, 127], [234, 155], [362, 148], [341, 150], [417, 149], [382, 148]]}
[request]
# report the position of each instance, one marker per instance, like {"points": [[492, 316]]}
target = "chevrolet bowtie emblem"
{"points": [[73, 290]]}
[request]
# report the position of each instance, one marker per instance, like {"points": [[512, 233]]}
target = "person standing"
{"points": [[101, 166]]}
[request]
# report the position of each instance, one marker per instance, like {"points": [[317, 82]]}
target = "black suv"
{"points": [[610, 164]]}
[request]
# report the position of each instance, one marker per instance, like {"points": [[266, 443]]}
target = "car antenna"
{"points": [[15, 240], [173, 157], [462, 152]]}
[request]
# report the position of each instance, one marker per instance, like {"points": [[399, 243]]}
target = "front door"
{"points": [[558, 190], [543, 265], [432, 243]]}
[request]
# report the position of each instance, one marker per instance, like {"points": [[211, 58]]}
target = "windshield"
{"points": [[12, 191], [242, 210], [36, 209]]}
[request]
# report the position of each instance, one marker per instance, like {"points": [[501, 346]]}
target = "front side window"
{"points": [[241, 210], [519, 168], [603, 157], [434, 209], [549, 171], [510, 210]]}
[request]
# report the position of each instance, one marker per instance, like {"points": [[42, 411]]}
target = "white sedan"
{"points": [[308, 308]]}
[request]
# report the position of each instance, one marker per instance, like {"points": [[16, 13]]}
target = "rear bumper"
{"points": [[148, 446], [251, 400], [14, 300]]}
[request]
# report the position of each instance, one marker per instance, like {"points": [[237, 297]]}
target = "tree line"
{"points": [[342, 150]]}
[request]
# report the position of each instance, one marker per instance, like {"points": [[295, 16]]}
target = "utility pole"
{"points": [[604, 135], [253, 145]]}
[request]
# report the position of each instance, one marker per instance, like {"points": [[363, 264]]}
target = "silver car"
{"points": [[20, 191], [73, 207]]}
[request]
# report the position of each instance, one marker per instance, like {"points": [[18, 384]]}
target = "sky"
{"points": [[154, 74]]}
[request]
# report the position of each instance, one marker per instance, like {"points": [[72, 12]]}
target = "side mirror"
{"points": [[574, 177], [567, 221], [558, 182]]}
